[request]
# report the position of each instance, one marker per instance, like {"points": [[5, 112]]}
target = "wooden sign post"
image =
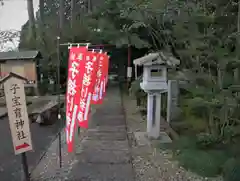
{"points": [[18, 117]]}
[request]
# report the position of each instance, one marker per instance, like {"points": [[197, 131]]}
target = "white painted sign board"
{"points": [[17, 114]]}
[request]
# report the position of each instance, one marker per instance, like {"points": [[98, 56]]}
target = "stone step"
{"points": [[106, 136], [110, 116], [104, 145], [107, 111], [102, 172], [104, 156], [109, 122], [108, 129]]}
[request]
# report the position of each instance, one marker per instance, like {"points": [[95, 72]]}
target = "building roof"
{"points": [[11, 74], [13, 55], [157, 58]]}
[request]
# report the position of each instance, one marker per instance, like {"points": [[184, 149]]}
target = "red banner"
{"points": [[96, 93], [105, 73], [73, 92], [87, 78], [88, 75]]}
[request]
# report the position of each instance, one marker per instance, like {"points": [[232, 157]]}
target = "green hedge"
{"points": [[207, 163], [204, 163], [231, 170]]}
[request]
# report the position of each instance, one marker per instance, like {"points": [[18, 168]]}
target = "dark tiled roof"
{"points": [[12, 55]]}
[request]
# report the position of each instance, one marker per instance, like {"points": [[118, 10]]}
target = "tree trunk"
{"points": [[73, 17], [219, 77], [89, 6], [42, 23], [61, 15], [32, 29], [236, 71], [41, 11], [73, 13]]}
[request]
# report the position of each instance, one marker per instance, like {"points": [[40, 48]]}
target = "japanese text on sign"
{"points": [[17, 114], [19, 123]]}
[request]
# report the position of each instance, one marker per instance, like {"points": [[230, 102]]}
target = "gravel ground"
{"points": [[152, 164], [49, 169]]}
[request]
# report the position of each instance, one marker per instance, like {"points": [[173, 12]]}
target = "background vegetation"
{"points": [[203, 34]]}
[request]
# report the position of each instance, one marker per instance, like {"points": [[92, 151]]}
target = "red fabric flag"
{"points": [[96, 93], [73, 92], [88, 78], [105, 72], [101, 75]]}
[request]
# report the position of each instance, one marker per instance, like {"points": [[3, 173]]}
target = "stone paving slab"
{"points": [[112, 116], [105, 145], [107, 135], [108, 128], [102, 172], [104, 156], [111, 122], [102, 136], [106, 112]]}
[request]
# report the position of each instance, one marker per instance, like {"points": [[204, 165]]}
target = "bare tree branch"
{"points": [[8, 35], [8, 39]]}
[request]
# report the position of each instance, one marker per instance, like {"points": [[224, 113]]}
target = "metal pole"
{"points": [[59, 103], [67, 44], [25, 167], [84, 44]]}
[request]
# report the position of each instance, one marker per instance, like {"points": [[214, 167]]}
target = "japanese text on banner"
{"points": [[88, 74], [76, 60], [102, 77], [97, 88], [105, 73]]}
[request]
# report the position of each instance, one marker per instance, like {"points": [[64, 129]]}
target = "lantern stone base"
{"points": [[163, 138], [143, 139]]}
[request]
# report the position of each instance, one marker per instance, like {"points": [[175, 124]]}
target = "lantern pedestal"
{"points": [[153, 115]]}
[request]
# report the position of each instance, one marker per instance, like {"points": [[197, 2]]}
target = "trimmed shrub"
{"points": [[231, 170], [204, 163]]}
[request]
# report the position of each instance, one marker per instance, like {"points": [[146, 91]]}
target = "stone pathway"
{"points": [[103, 152]]}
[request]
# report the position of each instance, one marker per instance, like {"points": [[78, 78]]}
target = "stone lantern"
{"points": [[154, 83]]}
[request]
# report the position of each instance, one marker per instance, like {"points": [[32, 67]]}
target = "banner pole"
{"points": [[59, 102], [67, 44]]}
